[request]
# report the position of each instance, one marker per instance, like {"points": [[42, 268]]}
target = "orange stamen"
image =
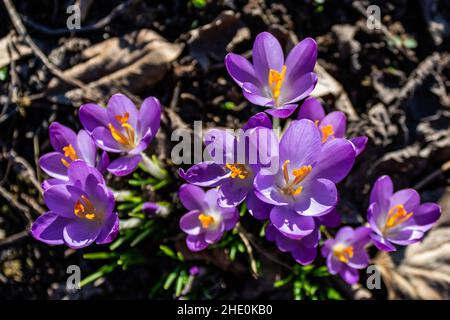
{"points": [[397, 215], [276, 81], [237, 170], [327, 131], [205, 220], [343, 253], [85, 209]]}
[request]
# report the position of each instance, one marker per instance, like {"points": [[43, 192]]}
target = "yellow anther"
{"points": [[70, 153], [84, 209], [343, 253], [300, 174], [397, 215], [327, 131], [276, 81], [127, 139], [237, 170], [292, 187], [205, 220]]}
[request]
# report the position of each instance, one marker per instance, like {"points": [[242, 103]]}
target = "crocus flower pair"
{"points": [[303, 189], [69, 147], [332, 125], [346, 253], [122, 128], [81, 210], [271, 81], [398, 218], [233, 168], [206, 221]]}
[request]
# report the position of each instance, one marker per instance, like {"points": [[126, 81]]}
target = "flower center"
{"points": [[327, 131], [238, 170], [127, 139], [397, 215], [343, 253], [205, 220], [276, 81], [292, 187], [85, 209], [69, 152]]}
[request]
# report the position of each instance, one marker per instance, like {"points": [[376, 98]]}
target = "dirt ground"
{"points": [[393, 82]]}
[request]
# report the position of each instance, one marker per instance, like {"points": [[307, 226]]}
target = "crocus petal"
{"points": [[204, 174], [196, 243], [350, 275], [86, 149], [210, 201], [61, 136], [240, 69], [311, 109], [230, 218], [103, 162], [338, 121], [267, 54], [124, 165], [331, 219], [359, 260], [326, 248], [61, 199], [335, 160], [376, 218], [290, 223], [93, 116], [359, 143], [214, 235], [427, 214], [344, 235], [255, 95], [79, 234], [143, 144], [257, 208], [333, 264], [220, 145], [301, 59], [409, 198], [191, 197], [48, 228], [284, 243], [190, 223], [79, 171], [299, 89], [46, 184], [405, 237], [52, 165], [120, 104], [233, 192], [304, 255], [266, 191], [282, 112], [381, 243], [109, 230], [361, 236], [105, 141], [319, 198], [300, 144], [258, 120], [381, 192], [149, 116]]}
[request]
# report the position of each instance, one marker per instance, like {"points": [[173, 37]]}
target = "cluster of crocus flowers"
{"points": [[206, 221], [271, 81], [81, 205]]}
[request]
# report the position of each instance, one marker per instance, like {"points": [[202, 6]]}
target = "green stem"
{"points": [[153, 167]]}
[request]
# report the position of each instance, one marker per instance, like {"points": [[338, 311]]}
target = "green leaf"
{"points": [[233, 251], [199, 4], [410, 43], [228, 105], [3, 73], [282, 282], [144, 234], [98, 274], [99, 255], [333, 294], [167, 251], [170, 279]]}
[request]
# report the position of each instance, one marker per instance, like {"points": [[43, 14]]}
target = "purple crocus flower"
{"points": [[234, 177], [304, 186], [81, 211], [68, 147], [271, 81], [205, 222], [122, 128], [303, 250], [346, 253], [332, 125], [398, 218]]}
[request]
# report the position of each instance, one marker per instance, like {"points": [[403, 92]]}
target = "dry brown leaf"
{"points": [[424, 270], [18, 51], [135, 61]]}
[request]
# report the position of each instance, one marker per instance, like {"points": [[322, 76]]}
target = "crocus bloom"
{"points": [[398, 218], [122, 128], [332, 125], [303, 251], [81, 211], [68, 147], [234, 178], [271, 81], [346, 253], [304, 186], [205, 222]]}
